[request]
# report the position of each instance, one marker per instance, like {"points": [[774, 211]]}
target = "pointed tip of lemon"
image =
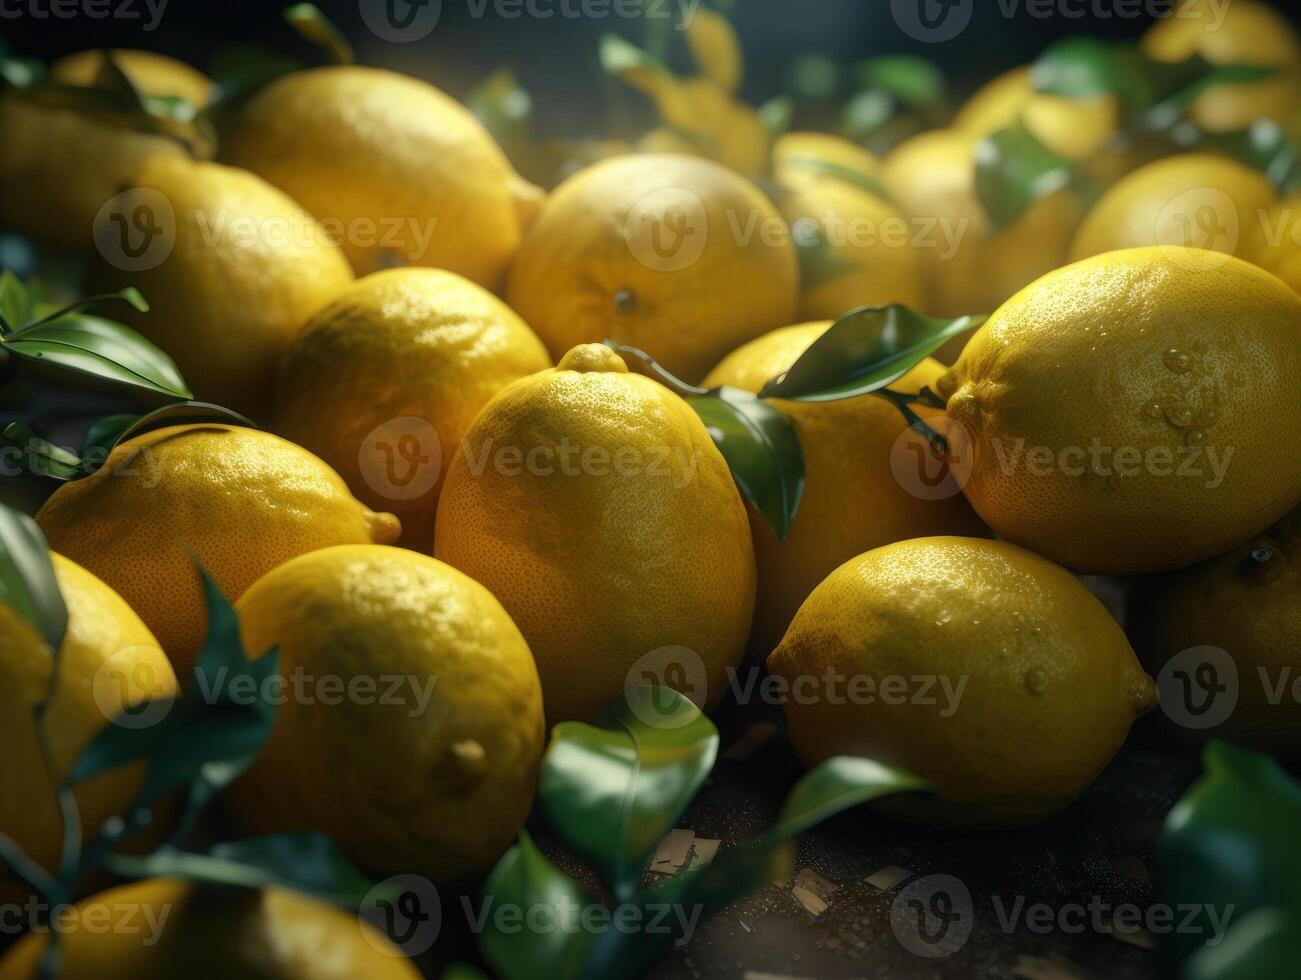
{"points": [[528, 198], [592, 357], [384, 528]]}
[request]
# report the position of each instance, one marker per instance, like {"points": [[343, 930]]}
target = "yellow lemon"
{"points": [[1246, 603], [398, 171], [1192, 200], [239, 500], [238, 268], [671, 254], [594, 505], [162, 928], [1131, 412], [799, 151], [969, 268], [411, 688], [384, 380], [109, 662], [1030, 685], [59, 167], [855, 248], [853, 501], [1240, 32]]}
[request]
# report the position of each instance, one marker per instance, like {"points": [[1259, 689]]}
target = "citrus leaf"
{"points": [[15, 303], [42, 457], [914, 82], [856, 177], [1229, 845], [101, 349], [1264, 945], [106, 434], [305, 862], [205, 737], [1013, 170], [18, 72], [525, 882], [45, 312], [27, 581], [761, 449], [776, 115], [614, 788], [863, 351], [308, 20], [620, 57]]}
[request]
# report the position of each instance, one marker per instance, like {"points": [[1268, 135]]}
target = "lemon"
{"points": [[969, 268], [1276, 244], [1132, 412], [162, 928], [593, 504], [245, 269], [384, 380], [109, 662], [428, 759], [1193, 200], [809, 151], [856, 249], [852, 501], [59, 167], [671, 254], [1246, 602], [1029, 685], [1240, 32], [238, 500], [400, 172]]}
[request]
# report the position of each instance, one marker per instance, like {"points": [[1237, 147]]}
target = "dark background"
{"points": [[556, 57]]}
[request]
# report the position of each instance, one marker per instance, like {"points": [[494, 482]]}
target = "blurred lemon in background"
{"points": [[1035, 685], [674, 255], [383, 382], [399, 172], [238, 500]]}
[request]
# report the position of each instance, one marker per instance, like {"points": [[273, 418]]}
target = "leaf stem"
{"points": [[901, 401]]}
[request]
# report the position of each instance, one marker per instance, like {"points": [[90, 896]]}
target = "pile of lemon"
{"points": [[455, 480]]}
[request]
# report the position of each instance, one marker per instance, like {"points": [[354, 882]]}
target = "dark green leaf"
{"points": [[311, 23], [1013, 171], [1264, 945], [613, 789], [110, 431], [523, 883], [27, 580], [45, 312], [836, 785], [308, 863], [20, 864], [761, 449], [865, 350], [915, 82], [42, 457], [102, 349], [1230, 844]]}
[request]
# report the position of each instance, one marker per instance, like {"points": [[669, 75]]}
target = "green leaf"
{"points": [[15, 303], [106, 434], [915, 82], [504, 107], [27, 581], [761, 449], [308, 20], [1264, 945], [102, 349], [618, 56], [865, 350], [836, 785], [856, 177], [523, 883], [205, 738], [815, 77], [42, 457], [47, 312], [1230, 844], [308, 863], [1265, 146], [777, 114], [1013, 171], [240, 70], [18, 72], [613, 789]]}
